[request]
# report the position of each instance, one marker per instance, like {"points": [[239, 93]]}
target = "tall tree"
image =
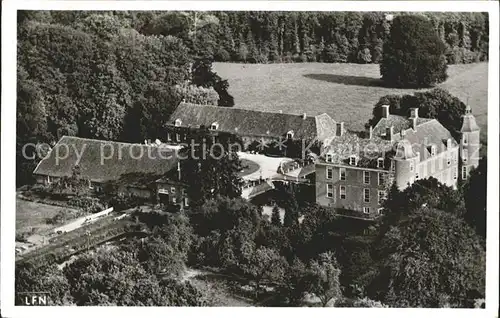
{"points": [[433, 259], [475, 198], [323, 278], [413, 54]]}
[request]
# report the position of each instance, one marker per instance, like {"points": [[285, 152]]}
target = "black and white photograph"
{"points": [[199, 156]]}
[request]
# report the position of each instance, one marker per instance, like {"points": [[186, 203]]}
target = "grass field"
{"points": [[31, 216], [347, 92]]}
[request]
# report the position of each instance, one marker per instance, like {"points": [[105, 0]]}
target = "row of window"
{"points": [[343, 193], [343, 175], [353, 160]]}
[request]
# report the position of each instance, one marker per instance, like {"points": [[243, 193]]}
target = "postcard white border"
{"points": [[8, 163]]}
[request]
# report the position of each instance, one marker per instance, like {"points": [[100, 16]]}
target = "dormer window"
{"points": [[380, 163], [433, 150], [448, 143], [178, 122], [289, 134], [465, 139], [352, 160], [214, 126], [329, 158]]}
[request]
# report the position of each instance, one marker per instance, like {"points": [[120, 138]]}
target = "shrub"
{"points": [[222, 55], [87, 204]]}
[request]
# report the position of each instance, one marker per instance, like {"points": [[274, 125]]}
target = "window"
{"points": [[174, 200], [289, 134], [329, 158], [433, 150], [329, 190], [366, 195], [49, 180], [366, 210], [380, 162], [329, 173], [342, 174], [380, 178], [178, 122], [412, 165], [393, 166], [366, 177], [352, 160], [417, 176], [448, 161], [464, 172], [172, 189], [381, 197], [455, 157], [465, 155], [455, 174], [342, 192], [214, 126], [186, 202], [465, 139], [178, 137], [169, 138]]}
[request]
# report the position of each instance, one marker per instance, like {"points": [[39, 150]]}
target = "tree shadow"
{"points": [[348, 79]]}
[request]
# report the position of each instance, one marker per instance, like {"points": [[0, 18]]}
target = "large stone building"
{"points": [[249, 125], [355, 172]]}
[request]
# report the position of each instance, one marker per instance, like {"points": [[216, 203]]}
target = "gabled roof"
{"points": [[428, 134], [398, 122], [252, 122], [105, 161]]}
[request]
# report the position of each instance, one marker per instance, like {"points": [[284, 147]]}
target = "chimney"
{"points": [[385, 111], [370, 132], [340, 129], [389, 132], [304, 116], [413, 112], [414, 122]]}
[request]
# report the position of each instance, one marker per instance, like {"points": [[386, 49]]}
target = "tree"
{"points": [[436, 103], [202, 75], [433, 259], [413, 54], [44, 277], [210, 170], [323, 278], [265, 264], [291, 208], [275, 216], [475, 198], [74, 185]]}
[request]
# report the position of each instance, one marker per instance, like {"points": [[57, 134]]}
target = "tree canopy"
{"points": [[413, 54]]}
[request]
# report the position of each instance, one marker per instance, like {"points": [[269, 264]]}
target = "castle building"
{"points": [[354, 173]]}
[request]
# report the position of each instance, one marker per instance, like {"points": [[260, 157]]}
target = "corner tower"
{"points": [[469, 143]]}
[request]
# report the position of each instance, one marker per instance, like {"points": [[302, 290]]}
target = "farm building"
{"points": [[249, 125], [149, 171]]}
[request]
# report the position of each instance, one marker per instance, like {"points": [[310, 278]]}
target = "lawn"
{"points": [[31, 216], [347, 92]]}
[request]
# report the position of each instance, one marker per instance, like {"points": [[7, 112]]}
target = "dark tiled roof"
{"points": [[367, 151], [94, 164], [469, 124], [251, 122]]}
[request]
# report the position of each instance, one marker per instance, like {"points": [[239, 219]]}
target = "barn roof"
{"points": [[255, 123], [104, 161]]}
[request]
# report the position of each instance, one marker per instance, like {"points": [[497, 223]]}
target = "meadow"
{"points": [[347, 92]]}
